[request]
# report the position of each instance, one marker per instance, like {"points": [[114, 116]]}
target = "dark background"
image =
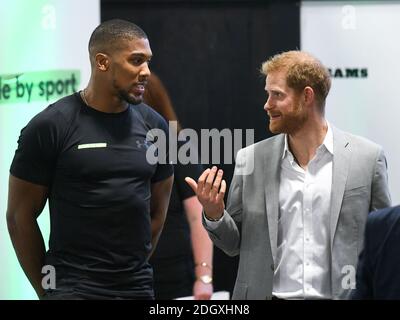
{"points": [[208, 54]]}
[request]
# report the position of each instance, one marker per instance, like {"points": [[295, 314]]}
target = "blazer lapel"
{"points": [[341, 160], [272, 162]]}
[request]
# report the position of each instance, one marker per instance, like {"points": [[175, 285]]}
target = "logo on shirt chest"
{"points": [[92, 145], [145, 144]]}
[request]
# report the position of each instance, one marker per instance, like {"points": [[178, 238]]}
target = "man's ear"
{"points": [[308, 95], [102, 61]]}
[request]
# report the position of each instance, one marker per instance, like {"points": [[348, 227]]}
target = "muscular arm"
{"points": [[25, 203], [202, 247], [160, 194]]}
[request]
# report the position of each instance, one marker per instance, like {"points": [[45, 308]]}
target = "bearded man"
{"points": [[298, 201]]}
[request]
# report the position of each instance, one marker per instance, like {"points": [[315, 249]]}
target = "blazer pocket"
{"points": [[362, 190]]}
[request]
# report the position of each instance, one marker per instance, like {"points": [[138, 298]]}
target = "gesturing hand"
{"points": [[210, 190]]}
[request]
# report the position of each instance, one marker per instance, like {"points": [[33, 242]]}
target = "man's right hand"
{"points": [[210, 190]]}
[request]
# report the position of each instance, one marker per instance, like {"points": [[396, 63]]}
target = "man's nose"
{"points": [[268, 106], [145, 70]]}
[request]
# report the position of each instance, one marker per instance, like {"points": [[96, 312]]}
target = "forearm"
{"points": [[225, 234], [160, 193], [156, 229], [202, 249], [30, 249], [202, 246]]}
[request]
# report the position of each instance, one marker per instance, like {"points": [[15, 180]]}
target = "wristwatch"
{"points": [[206, 279]]}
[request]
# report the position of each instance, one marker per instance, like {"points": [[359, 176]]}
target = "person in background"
{"points": [[182, 262], [378, 276]]}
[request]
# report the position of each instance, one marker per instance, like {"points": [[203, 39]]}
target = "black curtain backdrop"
{"points": [[208, 54]]}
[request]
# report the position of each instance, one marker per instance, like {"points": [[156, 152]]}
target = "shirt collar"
{"points": [[328, 143], [286, 147]]}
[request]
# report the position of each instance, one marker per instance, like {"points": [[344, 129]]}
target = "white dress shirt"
{"points": [[302, 265]]}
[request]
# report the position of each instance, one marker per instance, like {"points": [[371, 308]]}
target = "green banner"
{"points": [[38, 86]]}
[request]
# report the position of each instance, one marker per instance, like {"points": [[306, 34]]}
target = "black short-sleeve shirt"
{"points": [[99, 181]]}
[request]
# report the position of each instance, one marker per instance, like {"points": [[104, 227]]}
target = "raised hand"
{"points": [[210, 190]]}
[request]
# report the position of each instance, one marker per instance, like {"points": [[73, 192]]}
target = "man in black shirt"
{"points": [[86, 153]]}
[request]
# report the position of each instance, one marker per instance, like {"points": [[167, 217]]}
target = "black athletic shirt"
{"points": [[99, 181]]}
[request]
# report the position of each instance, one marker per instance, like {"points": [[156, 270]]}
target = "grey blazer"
{"points": [[249, 228]]}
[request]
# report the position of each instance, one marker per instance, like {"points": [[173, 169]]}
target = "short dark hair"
{"points": [[108, 35]]}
